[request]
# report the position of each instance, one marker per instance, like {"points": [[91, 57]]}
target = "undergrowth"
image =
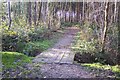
{"points": [[115, 69], [36, 47], [70, 24], [14, 59]]}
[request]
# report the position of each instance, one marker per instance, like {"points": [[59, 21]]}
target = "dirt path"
{"points": [[64, 71], [61, 51], [62, 55]]}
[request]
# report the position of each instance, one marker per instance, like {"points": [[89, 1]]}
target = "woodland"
{"points": [[30, 28]]}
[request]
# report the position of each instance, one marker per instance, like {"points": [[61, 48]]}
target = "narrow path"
{"points": [[61, 51], [64, 71], [59, 60]]}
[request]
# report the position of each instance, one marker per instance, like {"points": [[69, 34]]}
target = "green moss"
{"points": [[115, 68], [13, 59]]}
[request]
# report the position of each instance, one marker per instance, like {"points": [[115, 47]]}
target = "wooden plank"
{"points": [[71, 57], [65, 58], [47, 57], [61, 54]]}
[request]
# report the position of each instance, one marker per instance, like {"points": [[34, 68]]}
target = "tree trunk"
{"points": [[83, 11], [9, 15], [74, 11], [105, 27], [19, 9], [115, 10], [60, 10], [48, 15], [40, 7], [65, 17], [35, 13], [29, 13], [78, 12], [69, 11], [118, 21]]}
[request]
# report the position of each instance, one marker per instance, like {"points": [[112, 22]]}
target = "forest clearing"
{"points": [[65, 39]]}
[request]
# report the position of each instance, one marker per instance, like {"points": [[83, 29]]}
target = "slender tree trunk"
{"points": [[118, 21], [115, 10], [74, 11], [83, 11], [65, 17], [19, 9], [78, 12], [29, 15], [26, 11], [105, 26], [48, 15], [35, 13], [60, 10], [9, 15], [15, 13], [54, 10], [40, 7], [69, 11]]}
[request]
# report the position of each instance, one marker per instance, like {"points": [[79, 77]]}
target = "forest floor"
{"points": [[49, 69]]}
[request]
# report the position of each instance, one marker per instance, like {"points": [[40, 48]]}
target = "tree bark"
{"points": [[118, 21], [78, 12], [35, 13], [69, 11], [29, 13], [19, 8], [9, 15], [115, 10], [65, 10], [83, 11], [105, 27], [40, 7], [48, 15]]}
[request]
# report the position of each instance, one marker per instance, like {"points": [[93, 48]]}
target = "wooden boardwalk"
{"points": [[60, 53]]}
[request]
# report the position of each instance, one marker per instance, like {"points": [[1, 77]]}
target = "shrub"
{"points": [[70, 24], [36, 47], [67, 24], [92, 66], [87, 41], [12, 41], [36, 34], [9, 41]]}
